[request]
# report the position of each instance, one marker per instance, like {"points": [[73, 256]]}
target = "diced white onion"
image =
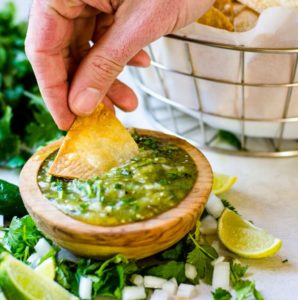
{"points": [[214, 206], [159, 295], [33, 260], [218, 260], [85, 288], [190, 271], [203, 289], [1, 221], [137, 279], [133, 293], [42, 247], [153, 282], [186, 290], [208, 225], [221, 276], [170, 286], [2, 234], [65, 254]]}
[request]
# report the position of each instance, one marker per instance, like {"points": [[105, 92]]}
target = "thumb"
{"points": [[132, 29], [92, 81]]}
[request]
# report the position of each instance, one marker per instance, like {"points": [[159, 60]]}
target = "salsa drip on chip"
{"points": [[93, 145]]}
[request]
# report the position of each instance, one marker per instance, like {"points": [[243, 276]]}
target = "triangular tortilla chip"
{"points": [[94, 145], [215, 18]]}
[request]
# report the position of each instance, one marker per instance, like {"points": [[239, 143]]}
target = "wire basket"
{"points": [[176, 118]]}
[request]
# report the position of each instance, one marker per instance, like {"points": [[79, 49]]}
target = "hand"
{"points": [[73, 76]]}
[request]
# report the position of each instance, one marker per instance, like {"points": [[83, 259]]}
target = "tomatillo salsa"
{"points": [[157, 179]]}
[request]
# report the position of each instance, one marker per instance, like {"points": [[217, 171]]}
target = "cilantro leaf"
{"points": [[202, 263], [21, 237], [64, 275], [201, 257], [221, 294], [174, 253], [109, 276], [246, 289], [169, 270], [237, 272], [41, 130], [9, 142]]}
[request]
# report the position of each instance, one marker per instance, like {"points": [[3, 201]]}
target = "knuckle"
{"points": [[104, 68]]}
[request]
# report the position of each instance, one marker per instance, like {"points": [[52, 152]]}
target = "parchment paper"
{"points": [[276, 28]]}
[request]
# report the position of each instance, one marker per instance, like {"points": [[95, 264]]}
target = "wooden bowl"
{"points": [[134, 240]]}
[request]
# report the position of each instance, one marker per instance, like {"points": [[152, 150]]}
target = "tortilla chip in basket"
{"points": [[245, 20], [215, 18], [260, 5], [226, 7], [93, 145]]}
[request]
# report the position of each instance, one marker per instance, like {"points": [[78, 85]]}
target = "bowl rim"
{"points": [[48, 216]]}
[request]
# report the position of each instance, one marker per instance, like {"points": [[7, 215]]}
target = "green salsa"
{"points": [[155, 180]]}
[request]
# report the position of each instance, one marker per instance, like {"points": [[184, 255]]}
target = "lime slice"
{"points": [[20, 282], [245, 239], [222, 183], [47, 268]]}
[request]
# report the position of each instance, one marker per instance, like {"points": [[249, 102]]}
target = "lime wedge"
{"points": [[47, 268], [222, 183], [20, 282], [245, 239]]}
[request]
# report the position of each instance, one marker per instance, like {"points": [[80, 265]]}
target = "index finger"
{"points": [[48, 37]]}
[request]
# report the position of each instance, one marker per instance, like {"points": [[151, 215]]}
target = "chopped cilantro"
{"points": [[201, 257], [21, 237], [237, 271], [221, 294], [169, 270], [246, 289], [228, 205]]}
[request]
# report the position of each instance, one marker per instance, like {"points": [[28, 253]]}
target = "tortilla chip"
{"points": [[238, 8], [215, 18], [226, 7], [245, 20], [94, 145], [260, 5], [223, 5]]}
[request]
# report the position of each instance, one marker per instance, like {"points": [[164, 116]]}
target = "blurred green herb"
{"points": [[221, 294], [246, 289], [25, 123], [228, 138]]}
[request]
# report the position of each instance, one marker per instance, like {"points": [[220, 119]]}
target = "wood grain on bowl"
{"points": [[135, 240]]}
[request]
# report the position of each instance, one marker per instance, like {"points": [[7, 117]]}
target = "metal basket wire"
{"points": [[188, 123]]}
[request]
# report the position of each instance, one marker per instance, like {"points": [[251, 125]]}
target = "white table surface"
{"points": [[266, 193]]}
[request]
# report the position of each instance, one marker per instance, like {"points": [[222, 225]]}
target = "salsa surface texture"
{"points": [[155, 180]]}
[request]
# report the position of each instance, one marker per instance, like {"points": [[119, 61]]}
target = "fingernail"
{"points": [[86, 101]]}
